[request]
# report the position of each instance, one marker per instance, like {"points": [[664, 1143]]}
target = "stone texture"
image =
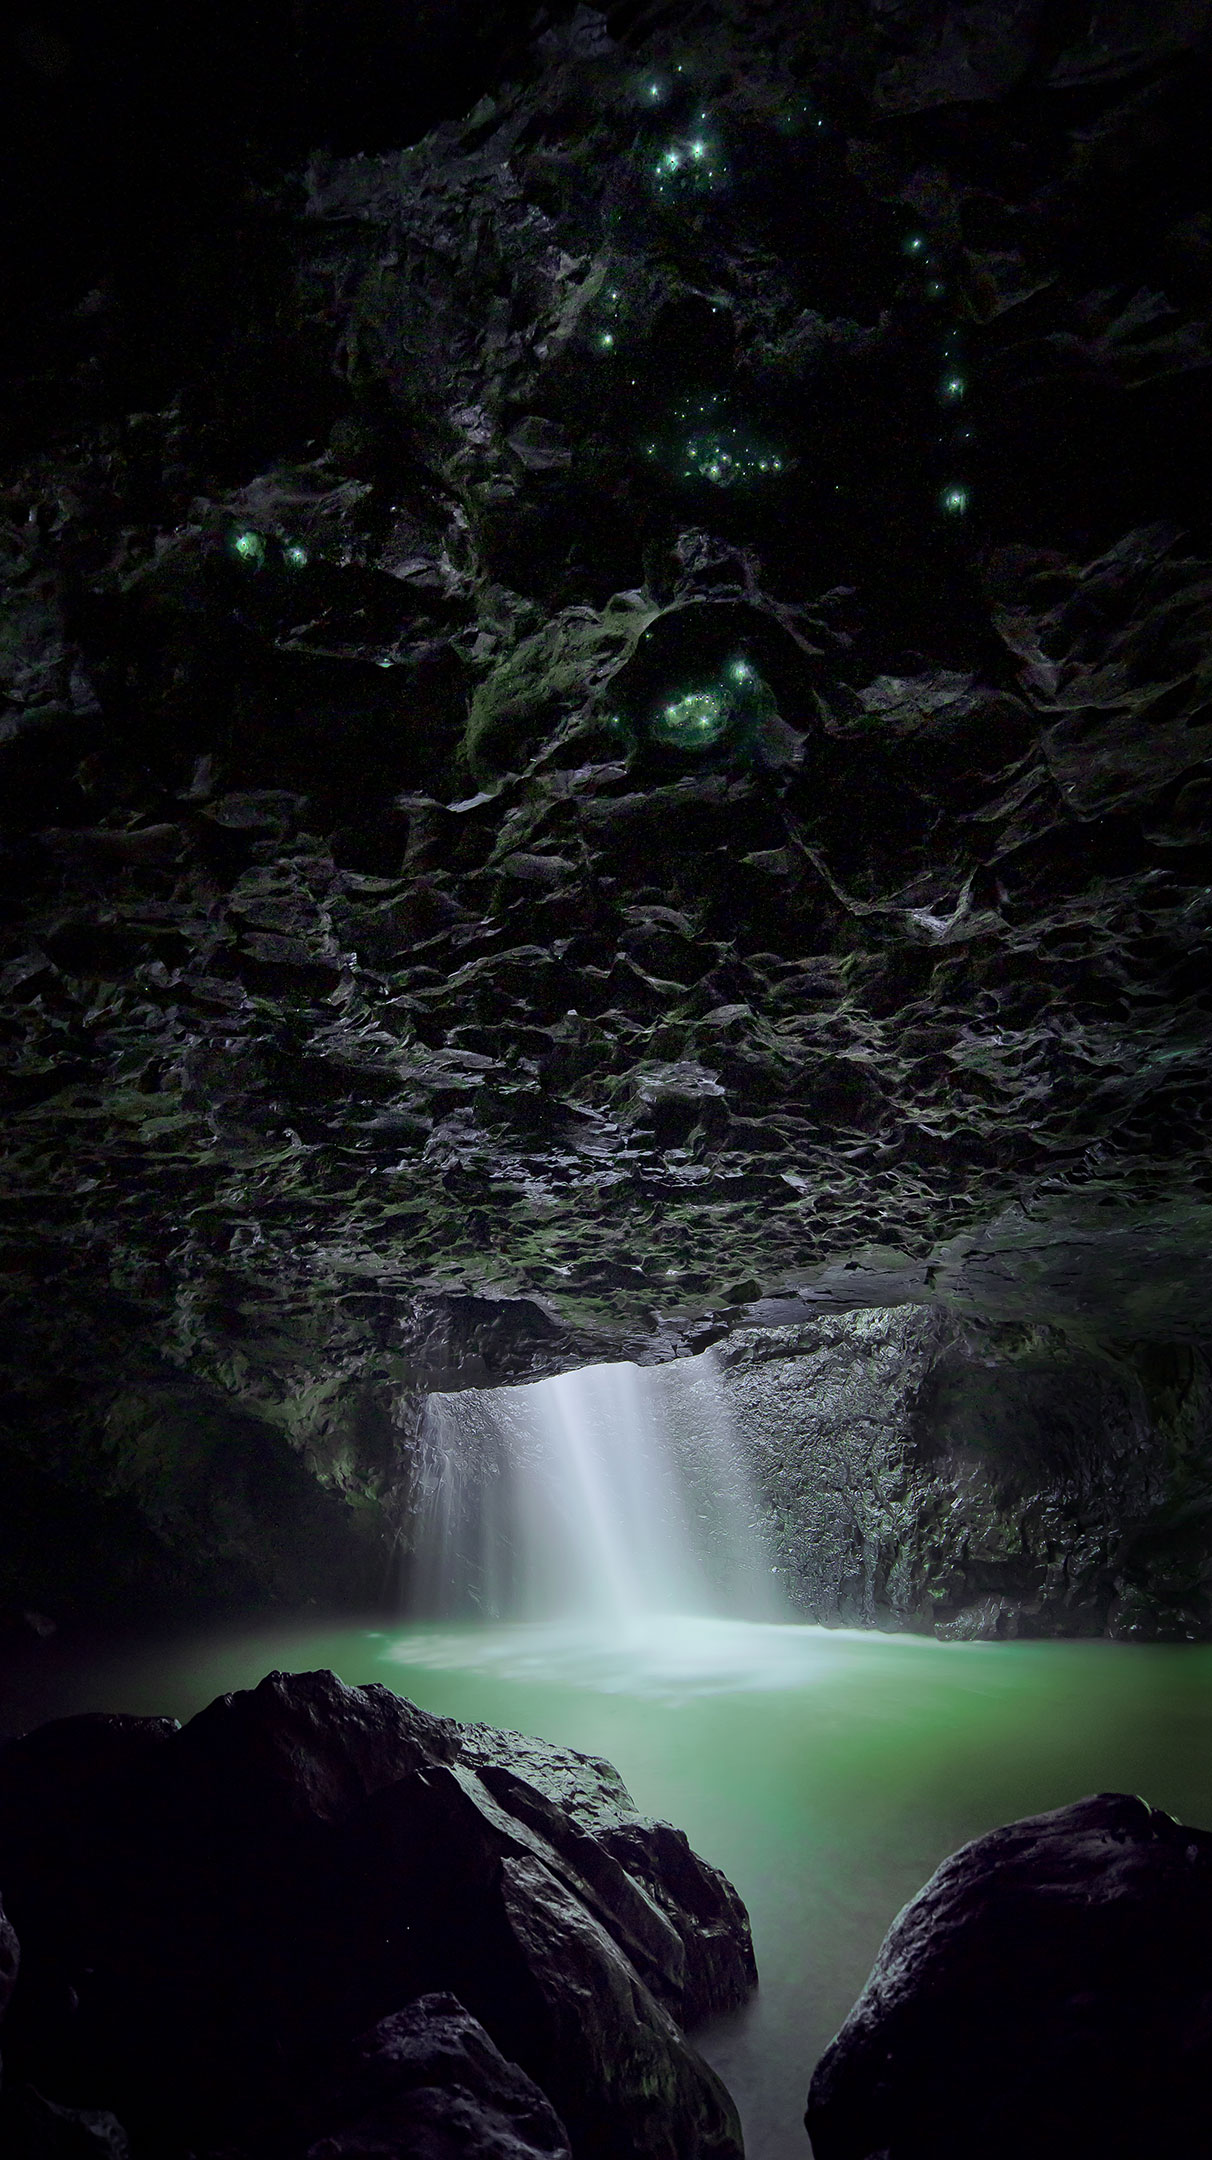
{"points": [[211, 1915], [428, 2084], [979, 1480], [390, 1003], [1047, 1992]]}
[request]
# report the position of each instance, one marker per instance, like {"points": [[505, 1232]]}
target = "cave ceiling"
{"points": [[608, 731]]}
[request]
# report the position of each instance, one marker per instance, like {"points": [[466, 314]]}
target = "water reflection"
{"points": [[667, 1657], [827, 1772]]}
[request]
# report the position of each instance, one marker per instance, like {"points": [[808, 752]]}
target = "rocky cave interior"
{"points": [[605, 755]]}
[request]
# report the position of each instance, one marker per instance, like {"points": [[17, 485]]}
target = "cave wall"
{"points": [[967, 1479], [132, 1493], [397, 991]]}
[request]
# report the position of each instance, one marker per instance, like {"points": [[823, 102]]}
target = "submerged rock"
{"points": [[1047, 1992], [212, 1914]]}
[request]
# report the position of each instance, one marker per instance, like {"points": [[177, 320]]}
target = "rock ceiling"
{"points": [[629, 736]]}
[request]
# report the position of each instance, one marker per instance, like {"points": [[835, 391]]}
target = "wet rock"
{"points": [[428, 2084], [1046, 1992], [302, 1749], [978, 1480], [987, 1619], [589, 1820], [335, 1074], [212, 1914]]}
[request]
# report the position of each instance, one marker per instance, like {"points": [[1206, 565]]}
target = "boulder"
{"points": [[211, 1914], [70, 1806], [428, 2084], [1048, 1992]]}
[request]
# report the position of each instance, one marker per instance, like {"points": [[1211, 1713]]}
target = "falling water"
{"points": [[604, 1496]]}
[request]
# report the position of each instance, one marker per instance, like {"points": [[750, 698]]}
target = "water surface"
{"points": [[827, 1772]]}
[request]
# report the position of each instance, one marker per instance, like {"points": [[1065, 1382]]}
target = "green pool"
{"points": [[827, 1772]]}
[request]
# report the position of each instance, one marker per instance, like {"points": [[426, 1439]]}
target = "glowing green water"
{"points": [[828, 1773]]}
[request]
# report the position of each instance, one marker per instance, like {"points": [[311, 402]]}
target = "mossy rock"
{"points": [[549, 678]]}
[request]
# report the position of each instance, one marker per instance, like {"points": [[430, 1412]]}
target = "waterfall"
{"points": [[604, 1496]]}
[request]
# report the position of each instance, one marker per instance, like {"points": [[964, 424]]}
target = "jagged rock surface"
{"points": [[428, 2084], [979, 1480], [212, 1914], [1047, 1992], [396, 996]]}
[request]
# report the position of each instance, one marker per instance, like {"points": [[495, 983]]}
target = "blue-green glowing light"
{"points": [[914, 244], [713, 451], [695, 163], [691, 722], [935, 289], [248, 547], [295, 554], [726, 459], [606, 340], [740, 671], [952, 389], [954, 500]]}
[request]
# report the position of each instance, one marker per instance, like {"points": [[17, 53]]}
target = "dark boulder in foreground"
{"points": [[211, 1915], [428, 2084], [1049, 1992]]}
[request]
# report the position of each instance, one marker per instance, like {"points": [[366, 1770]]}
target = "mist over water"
{"points": [[589, 1571], [603, 1498], [826, 1771]]}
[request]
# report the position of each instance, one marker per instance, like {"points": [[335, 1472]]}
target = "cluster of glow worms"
{"points": [[696, 719], [248, 547], [725, 460], [692, 721], [724, 455], [693, 162]]}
